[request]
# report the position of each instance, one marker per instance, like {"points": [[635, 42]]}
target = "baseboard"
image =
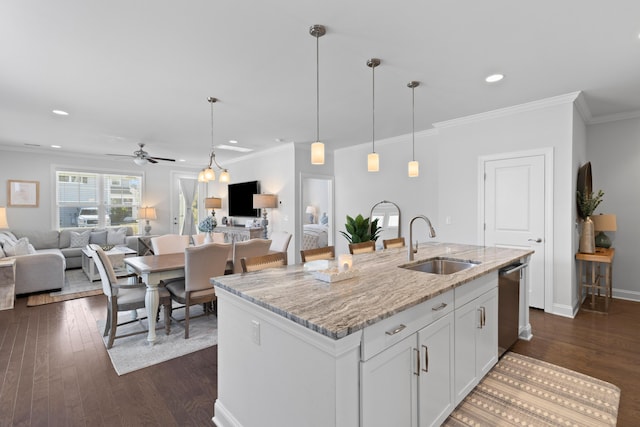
{"points": [[564, 310], [625, 294], [222, 417]]}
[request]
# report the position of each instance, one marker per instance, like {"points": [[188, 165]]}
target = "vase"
{"points": [[587, 238], [207, 237]]}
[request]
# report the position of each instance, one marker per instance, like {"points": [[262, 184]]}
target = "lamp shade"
{"points": [[147, 213], [413, 169], [317, 153], [3, 218], [310, 210], [373, 162], [213, 203], [604, 222], [265, 201]]}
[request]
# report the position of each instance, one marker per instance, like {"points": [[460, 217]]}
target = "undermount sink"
{"points": [[440, 265]]}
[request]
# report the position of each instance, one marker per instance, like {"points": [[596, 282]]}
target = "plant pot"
{"points": [[587, 237], [207, 237]]}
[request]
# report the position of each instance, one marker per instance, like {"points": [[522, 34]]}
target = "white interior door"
{"points": [[515, 213], [178, 207]]}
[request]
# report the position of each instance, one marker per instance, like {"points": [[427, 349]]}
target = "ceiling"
{"points": [[141, 71]]}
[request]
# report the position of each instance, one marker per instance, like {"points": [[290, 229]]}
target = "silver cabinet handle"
{"points": [[417, 371], [396, 330], [482, 317], [426, 358], [538, 240], [439, 307]]}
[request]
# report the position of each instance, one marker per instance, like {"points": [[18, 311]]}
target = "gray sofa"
{"points": [[44, 269]]}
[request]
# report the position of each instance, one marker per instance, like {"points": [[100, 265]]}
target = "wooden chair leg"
{"points": [[186, 320], [107, 323], [167, 317], [114, 323]]}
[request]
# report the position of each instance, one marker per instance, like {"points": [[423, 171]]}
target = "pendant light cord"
{"points": [[317, 88], [413, 123], [373, 109]]}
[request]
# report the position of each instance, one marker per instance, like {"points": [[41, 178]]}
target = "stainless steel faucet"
{"points": [[432, 233]]}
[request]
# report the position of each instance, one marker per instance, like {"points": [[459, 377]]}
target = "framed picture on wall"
{"points": [[25, 194]]}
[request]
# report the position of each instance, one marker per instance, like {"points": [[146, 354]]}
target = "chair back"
{"points": [[361, 248], [280, 241], [218, 237], [393, 243], [248, 249], [197, 239], [327, 252], [276, 259], [169, 244], [203, 262], [107, 275]]}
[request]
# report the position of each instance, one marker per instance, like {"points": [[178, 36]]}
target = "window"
{"points": [[85, 199]]}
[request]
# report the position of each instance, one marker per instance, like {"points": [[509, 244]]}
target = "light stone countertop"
{"points": [[379, 290]]}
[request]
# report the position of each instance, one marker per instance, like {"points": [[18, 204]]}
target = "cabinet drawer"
{"points": [[475, 288], [387, 332]]}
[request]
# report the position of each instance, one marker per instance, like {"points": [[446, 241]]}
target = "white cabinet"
{"points": [[409, 383], [476, 335]]}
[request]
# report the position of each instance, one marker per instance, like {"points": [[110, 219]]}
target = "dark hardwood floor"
{"points": [[54, 369]]}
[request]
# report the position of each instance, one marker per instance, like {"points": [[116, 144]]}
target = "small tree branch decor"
{"points": [[588, 202]]}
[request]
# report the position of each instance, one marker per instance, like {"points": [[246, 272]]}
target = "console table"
{"points": [[7, 283], [592, 278], [234, 234]]}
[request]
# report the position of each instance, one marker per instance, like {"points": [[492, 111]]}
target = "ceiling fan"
{"points": [[141, 157]]}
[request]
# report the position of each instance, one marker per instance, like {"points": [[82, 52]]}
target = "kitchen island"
{"points": [[294, 350]]}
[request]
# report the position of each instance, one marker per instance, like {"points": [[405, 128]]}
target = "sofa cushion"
{"points": [[79, 240], [40, 239], [21, 247], [2, 255], [116, 236], [99, 237]]}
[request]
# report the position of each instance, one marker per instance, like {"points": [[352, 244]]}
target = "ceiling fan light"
{"points": [[224, 176], [373, 162], [317, 153], [414, 169], [209, 174], [140, 161]]}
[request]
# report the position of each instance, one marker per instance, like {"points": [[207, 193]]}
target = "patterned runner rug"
{"points": [[523, 391]]}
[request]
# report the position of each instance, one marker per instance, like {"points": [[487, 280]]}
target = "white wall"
{"points": [[614, 151]]}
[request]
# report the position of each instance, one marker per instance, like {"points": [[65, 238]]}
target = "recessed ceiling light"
{"points": [[56, 146], [232, 148], [60, 112], [233, 141], [493, 78]]}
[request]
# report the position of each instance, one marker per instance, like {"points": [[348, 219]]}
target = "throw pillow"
{"points": [[21, 247], [116, 236], [2, 255], [98, 237], [7, 236], [80, 240]]}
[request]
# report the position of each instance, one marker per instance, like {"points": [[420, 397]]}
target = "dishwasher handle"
{"points": [[515, 267]]}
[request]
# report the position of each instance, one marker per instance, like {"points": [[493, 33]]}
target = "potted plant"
{"points": [[587, 204], [359, 230]]}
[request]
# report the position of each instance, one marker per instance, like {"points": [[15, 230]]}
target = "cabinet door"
{"points": [[389, 386], [435, 384], [467, 321], [487, 334]]}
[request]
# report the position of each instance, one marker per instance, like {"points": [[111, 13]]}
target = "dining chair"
{"points": [[201, 263], [327, 252], [216, 237], [393, 243], [169, 244], [361, 248], [124, 297], [256, 263], [248, 249], [280, 242]]}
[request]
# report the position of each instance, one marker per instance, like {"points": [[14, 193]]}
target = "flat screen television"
{"points": [[241, 199]]}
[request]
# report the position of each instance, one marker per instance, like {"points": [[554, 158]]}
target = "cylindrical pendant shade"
{"points": [[224, 176], [317, 153], [213, 203], [3, 218], [604, 222], [209, 174], [265, 201], [373, 162], [414, 169]]}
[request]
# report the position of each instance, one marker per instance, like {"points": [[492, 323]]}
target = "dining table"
{"points": [[153, 269]]}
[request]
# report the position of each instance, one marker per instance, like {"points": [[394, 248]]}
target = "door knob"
{"points": [[538, 240]]}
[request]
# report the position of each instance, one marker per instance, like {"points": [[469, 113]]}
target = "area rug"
{"points": [[523, 391], [76, 285], [131, 353]]}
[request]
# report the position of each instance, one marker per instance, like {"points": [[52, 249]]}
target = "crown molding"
{"points": [[614, 117]]}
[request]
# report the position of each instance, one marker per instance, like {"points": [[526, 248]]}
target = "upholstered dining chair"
{"points": [[169, 244], [248, 249], [200, 264], [198, 239], [280, 242], [393, 243], [361, 248], [123, 297], [327, 252], [273, 260]]}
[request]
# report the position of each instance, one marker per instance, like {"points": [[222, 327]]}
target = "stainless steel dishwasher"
{"points": [[509, 305]]}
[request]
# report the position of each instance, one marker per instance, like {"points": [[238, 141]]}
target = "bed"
{"points": [[315, 236]]}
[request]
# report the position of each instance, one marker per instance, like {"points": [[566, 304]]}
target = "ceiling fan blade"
{"points": [[121, 155], [162, 158], [150, 160]]}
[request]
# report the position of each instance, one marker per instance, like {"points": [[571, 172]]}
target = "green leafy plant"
{"points": [[588, 202], [358, 229]]}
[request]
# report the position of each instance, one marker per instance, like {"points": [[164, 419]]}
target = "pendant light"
{"points": [[317, 148], [414, 167], [208, 174], [373, 160]]}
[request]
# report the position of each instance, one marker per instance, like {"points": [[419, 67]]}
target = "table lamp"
{"points": [[3, 218], [265, 201], [213, 203], [147, 213], [311, 211], [602, 223]]}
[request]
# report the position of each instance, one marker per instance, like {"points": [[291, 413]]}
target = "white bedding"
{"points": [[315, 236]]}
